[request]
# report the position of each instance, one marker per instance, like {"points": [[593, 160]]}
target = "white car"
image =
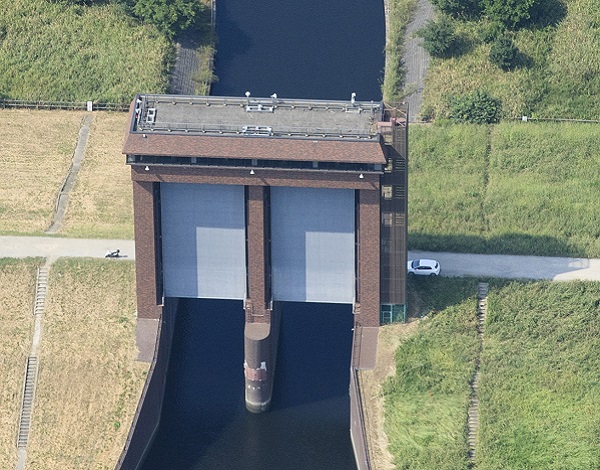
{"points": [[423, 267]]}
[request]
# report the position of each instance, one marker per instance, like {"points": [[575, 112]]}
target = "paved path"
{"points": [[55, 247], [416, 59], [453, 264], [509, 266]]}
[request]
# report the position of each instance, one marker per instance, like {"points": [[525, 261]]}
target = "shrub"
{"points": [[492, 32], [169, 16], [512, 13], [459, 8], [476, 108], [438, 37], [503, 53]]}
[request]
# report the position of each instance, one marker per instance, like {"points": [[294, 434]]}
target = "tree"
{"points": [[170, 16], [476, 108], [503, 53], [459, 8], [511, 13], [438, 37]]}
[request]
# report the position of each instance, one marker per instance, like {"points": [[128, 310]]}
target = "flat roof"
{"points": [[257, 116], [256, 128]]}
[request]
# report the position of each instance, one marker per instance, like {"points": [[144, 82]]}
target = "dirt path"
{"points": [[416, 59]]}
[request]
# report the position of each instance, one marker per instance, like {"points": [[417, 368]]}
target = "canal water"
{"points": [[315, 49], [312, 49], [204, 422]]}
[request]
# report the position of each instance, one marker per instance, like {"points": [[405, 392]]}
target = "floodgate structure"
{"points": [[266, 200]]}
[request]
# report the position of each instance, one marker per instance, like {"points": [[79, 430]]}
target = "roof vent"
{"points": [[257, 130], [259, 108], [151, 116]]}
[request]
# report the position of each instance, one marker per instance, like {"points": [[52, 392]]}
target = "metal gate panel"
{"points": [[313, 244], [203, 240]]}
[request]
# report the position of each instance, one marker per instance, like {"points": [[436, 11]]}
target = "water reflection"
{"points": [[310, 49], [205, 424]]}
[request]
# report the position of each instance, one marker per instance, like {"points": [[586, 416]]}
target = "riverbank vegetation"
{"points": [[511, 188], [89, 381], [553, 69], [71, 51], [538, 387], [17, 288], [400, 14]]}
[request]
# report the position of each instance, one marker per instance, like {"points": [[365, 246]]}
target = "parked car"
{"points": [[423, 267]]}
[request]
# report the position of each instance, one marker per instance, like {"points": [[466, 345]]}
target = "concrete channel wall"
{"points": [[147, 416]]}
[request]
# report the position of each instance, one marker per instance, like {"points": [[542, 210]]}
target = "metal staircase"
{"points": [[27, 406]]}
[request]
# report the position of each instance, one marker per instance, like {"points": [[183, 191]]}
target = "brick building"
{"points": [[267, 200]]}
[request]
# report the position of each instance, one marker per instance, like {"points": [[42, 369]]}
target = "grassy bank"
{"points": [[427, 399], [558, 71], [100, 205], [538, 390], [400, 14], [63, 51], [89, 382], [513, 188], [17, 278], [539, 387], [35, 156]]}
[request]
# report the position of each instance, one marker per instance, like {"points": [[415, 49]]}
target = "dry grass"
{"points": [[390, 336], [17, 278], [89, 382], [100, 205], [35, 156]]}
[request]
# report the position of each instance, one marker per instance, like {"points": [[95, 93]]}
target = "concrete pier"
{"points": [[260, 351]]}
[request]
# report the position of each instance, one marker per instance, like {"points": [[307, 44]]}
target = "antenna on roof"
{"points": [[274, 97], [247, 96], [353, 98]]}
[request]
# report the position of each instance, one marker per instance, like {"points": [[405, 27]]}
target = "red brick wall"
{"points": [[368, 257], [148, 305], [257, 288]]}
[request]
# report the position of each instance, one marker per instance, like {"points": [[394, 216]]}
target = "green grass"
{"points": [[513, 188], [558, 73], [67, 52], [426, 401], [401, 12], [539, 386]]}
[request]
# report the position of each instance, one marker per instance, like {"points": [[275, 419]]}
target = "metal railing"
{"points": [[66, 105]]}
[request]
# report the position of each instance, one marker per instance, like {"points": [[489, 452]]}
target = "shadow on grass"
{"points": [[506, 244], [548, 13]]}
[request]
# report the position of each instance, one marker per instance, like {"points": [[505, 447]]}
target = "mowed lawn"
{"points": [[17, 281], [100, 205], [89, 381], [511, 188], [539, 388], [35, 156]]}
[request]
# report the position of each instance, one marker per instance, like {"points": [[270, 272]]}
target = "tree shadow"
{"points": [[507, 244], [548, 13]]}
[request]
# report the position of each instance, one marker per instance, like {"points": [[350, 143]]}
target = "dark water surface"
{"points": [[205, 424], [316, 49]]}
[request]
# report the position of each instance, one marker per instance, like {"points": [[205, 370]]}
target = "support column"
{"points": [[262, 320], [146, 210], [368, 296]]}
